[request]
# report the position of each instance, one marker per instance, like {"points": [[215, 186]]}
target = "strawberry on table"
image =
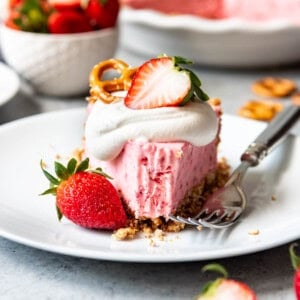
{"points": [[61, 22], [295, 259], [224, 288], [87, 198], [162, 82], [102, 13]]}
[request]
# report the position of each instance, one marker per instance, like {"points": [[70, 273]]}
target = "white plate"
{"points": [[30, 219], [229, 43], [9, 83]]}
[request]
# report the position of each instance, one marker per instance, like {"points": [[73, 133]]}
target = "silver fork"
{"points": [[224, 207]]}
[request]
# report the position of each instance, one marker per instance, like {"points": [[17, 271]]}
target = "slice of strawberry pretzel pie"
{"points": [[158, 140]]}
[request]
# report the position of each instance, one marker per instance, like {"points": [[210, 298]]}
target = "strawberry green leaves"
{"points": [[63, 173], [196, 93], [32, 16], [295, 259]]}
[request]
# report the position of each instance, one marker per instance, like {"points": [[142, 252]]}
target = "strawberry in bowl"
{"points": [[62, 16], [61, 42]]}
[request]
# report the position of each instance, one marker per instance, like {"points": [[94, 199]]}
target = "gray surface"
{"points": [[27, 273]]}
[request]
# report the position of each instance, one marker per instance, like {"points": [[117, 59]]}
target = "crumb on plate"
{"points": [[253, 232]]}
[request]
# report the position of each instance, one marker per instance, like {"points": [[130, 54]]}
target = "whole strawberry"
{"points": [[296, 264], [102, 13], [65, 5], [224, 288], [68, 21], [87, 198]]}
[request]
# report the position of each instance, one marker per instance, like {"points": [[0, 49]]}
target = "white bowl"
{"points": [[229, 43], [9, 84], [57, 64]]}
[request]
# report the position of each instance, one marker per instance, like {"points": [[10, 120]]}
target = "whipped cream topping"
{"points": [[110, 126]]}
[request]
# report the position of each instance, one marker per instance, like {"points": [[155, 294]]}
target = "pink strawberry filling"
{"points": [[154, 177], [255, 10]]}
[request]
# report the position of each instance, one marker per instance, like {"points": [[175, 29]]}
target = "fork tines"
{"points": [[217, 219]]}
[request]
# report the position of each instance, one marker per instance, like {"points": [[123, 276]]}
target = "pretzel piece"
{"points": [[260, 110], [102, 89], [274, 87]]}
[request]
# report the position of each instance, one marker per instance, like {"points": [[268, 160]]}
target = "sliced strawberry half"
{"points": [[163, 82], [224, 288], [228, 289]]}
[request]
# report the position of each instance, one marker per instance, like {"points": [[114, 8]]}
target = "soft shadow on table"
{"points": [[26, 103], [18, 107], [73, 277]]}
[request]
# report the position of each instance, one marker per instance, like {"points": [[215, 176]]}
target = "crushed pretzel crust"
{"points": [[191, 205]]}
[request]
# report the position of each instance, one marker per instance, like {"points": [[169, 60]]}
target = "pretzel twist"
{"points": [[102, 89]]}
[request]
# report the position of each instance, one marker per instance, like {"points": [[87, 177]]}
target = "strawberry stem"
{"points": [[295, 259], [214, 267]]}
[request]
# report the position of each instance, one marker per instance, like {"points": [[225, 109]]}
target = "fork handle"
{"points": [[271, 136]]}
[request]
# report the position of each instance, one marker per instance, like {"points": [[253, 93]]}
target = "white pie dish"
{"points": [[226, 43]]}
